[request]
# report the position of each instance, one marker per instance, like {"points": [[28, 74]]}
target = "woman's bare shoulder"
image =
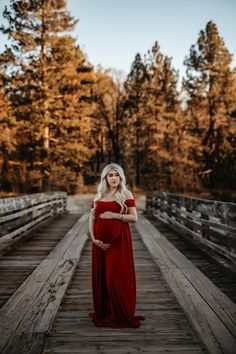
{"points": [[129, 194]]}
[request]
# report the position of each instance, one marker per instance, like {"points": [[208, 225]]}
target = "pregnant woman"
{"points": [[113, 272]]}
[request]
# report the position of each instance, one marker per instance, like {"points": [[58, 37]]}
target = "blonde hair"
{"points": [[103, 186]]}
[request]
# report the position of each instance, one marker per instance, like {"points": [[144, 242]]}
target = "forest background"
{"points": [[62, 120]]}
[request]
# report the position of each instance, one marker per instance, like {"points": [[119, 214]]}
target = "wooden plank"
{"points": [[35, 209], [18, 264], [56, 286], [195, 218], [211, 313], [222, 305], [211, 223], [214, 246], [165, 329], [9, 245], [20, 215], [33, 306], [12, 204], [25, 344], [12, 235], [60, 250]]}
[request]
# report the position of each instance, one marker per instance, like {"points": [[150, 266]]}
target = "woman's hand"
{"points": [[107, 215], [102, 245]]}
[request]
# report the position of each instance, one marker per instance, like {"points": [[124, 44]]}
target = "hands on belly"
{"points": [[102, 245]]}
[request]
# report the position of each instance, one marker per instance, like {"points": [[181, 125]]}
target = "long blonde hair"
{"points": [[103, 186]]}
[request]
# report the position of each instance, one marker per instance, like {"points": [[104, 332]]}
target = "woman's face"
{"points": [[113, 179]]}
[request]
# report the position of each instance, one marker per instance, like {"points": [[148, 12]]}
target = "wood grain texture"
{"points": [[33, 306], [222, 277], [21, 215], [165, 329], [212, 314], [19, 263], [210, 223]]}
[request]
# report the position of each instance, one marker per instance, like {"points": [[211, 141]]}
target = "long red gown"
{"points": [[113, 272]]}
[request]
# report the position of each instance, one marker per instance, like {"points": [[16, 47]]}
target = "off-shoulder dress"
{"points": [[113, 270]]}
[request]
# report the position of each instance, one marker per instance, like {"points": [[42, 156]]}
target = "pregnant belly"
{"points": [[107, 230]]}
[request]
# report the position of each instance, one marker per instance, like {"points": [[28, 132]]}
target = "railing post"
{"points": [[210, 224], [20, 215]]}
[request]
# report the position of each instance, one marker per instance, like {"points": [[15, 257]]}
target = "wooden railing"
{"points": [[210, 224], [20, 215]]}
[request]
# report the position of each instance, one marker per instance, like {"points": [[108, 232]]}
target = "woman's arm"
{"points": [[132, 211], [91, 224], [131, 216]]}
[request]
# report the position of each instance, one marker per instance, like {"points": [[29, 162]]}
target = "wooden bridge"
{"points": [[184, 251]]}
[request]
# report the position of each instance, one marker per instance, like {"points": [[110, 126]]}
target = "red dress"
{"points": [[113, 272]]}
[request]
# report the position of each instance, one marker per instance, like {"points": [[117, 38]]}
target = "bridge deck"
{"points": [[46, 296], [219, 275], [19, 263], [166, 328]]}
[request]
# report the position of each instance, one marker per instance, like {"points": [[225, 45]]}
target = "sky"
{"points": [[111, 32]]}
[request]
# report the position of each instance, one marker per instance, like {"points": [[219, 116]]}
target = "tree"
{"points": [[108, 116], [50, 87], [7, 137], [160, 110], [211, 88], [151, 118], [133, 123]]}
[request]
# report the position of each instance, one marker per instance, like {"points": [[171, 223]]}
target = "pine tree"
{"points": [[50, 88], [210, 87], [161, 108], [133, 124], [70, 146], [107, 117], [151, 118], [7, 137]]}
